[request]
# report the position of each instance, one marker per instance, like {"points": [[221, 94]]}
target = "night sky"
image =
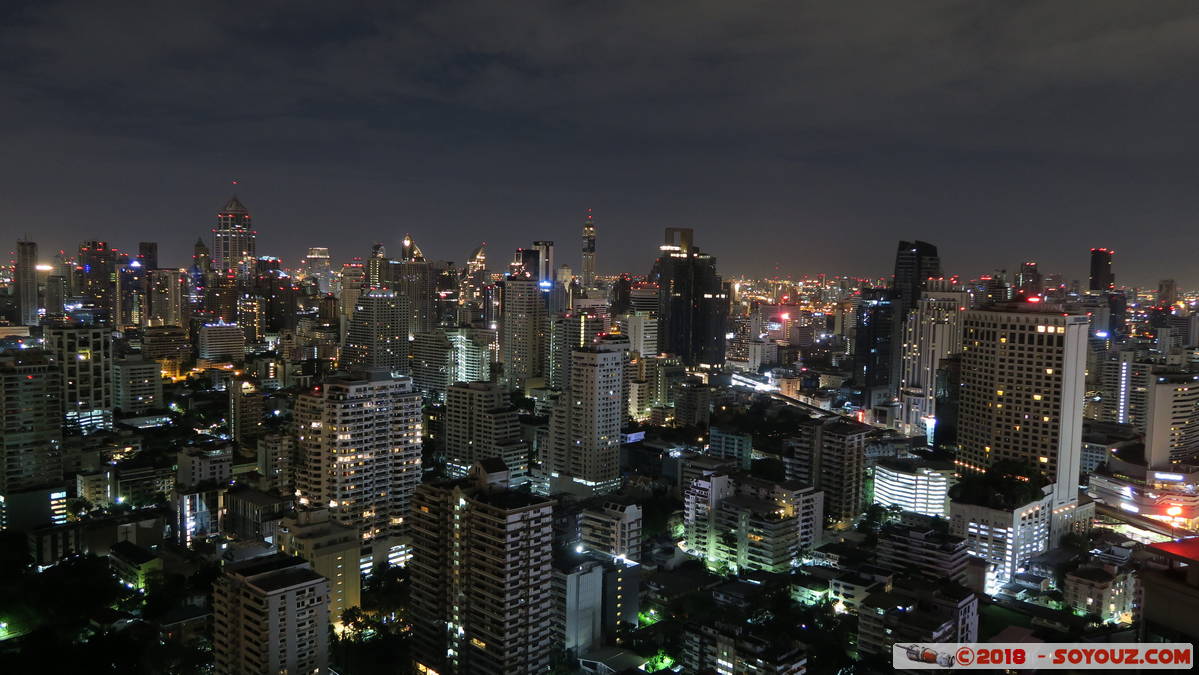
{"points": [[807, 136]]}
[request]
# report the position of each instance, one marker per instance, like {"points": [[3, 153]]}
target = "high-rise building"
{"points": [[482, 571], [1029, 280], [1102, 277], [30, 422], [1171, 421], [693, 305], [137, 384], [829, 453], [378, 334], [932, 331], [914, 485], [97, 276], [584, 444], [480, 423], [147, 254], [522, 331], [270, 616], [168, 346], [878, 313], [246, 409], [331, 549], [588, 251], [1167, 293], [234, 239], [84, 358], [1022, 393], [221, 341], [415, 281], [567, 332], [545, 261], [166, 298], [915, 263], [370, 421], [26, 286], [448, 355]]}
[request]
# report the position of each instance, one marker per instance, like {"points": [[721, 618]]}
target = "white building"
{"points": [[359, 447], [84, 357], [221, 341], [584, 446], [914, 485], [1023, 367], [522, 334], [270, 616], [481, 422], [1005, 537], [931, 331], [137, 384]]}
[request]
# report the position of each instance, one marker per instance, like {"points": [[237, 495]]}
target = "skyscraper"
{"points": [[1102, 277], [83, 355], [234, 239], [370, 421], [874, 338], [97, 264], [448, 355], [27, 305], [481, 423], [567, 332], [932, 331], [378, 335], [545, 261], [166, 298], [147, 254], [1022, 392], [30, 421], [522, 333], [584, 446], [915, 263], [271, 615], [482, 567], [415, 281], [588, 251], [693, 306]]}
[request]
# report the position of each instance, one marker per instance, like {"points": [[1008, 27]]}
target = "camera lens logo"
{"points": [[926, 655]]}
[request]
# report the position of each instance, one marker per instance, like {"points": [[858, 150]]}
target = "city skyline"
{"points": [[998, 137]]}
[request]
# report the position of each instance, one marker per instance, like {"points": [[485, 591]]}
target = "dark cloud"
{"points": [[807, 135]]}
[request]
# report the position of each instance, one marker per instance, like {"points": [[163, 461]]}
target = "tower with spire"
{"points": [[233, 238], [588, 251]]}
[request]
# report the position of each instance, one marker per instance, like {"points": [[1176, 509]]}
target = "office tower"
{"points": [[915, 263], [131, 294], [475, 275], [30, 422], [584, 444], [233, 240], [568, 331], [147, 254], [251, 316], [166, 298], [829, 453], [874, 344], [545, 261], [1167, 293], [692, 302], [932, 331], [378, 334], [522, 331], [97, 263], [246, 410], [914, 485], [1102, 277], [221, 341], [692, 402], [137, 384], [415, 281], [201, 258], [448, 355], [168, 346], [481, 423], [642, 331], [26, 283], [318, 265], [1022, 392], [588, 251], [270, 616], [370, 421], [84, 358], [482, 572], [378, 268], [350, 284], [739, 523], [1171, 420], [1029, 279], [331, 549]]}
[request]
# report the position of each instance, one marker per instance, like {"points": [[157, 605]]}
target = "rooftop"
{"points": [[1185, 549]]}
